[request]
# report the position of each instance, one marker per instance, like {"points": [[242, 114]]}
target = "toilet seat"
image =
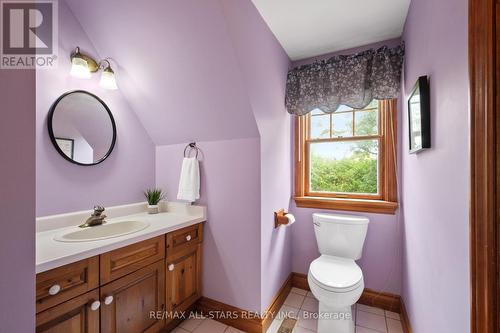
{"points": [[336, 274]]}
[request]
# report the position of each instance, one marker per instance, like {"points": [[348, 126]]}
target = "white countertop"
{"points": [[51, 254]]}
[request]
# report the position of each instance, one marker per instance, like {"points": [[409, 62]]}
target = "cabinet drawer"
{"points": [[63, 283], [123, 261], [185, 238], [75, 316]]}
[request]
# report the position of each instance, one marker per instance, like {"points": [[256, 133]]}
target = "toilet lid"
{"points": [[336, 274]]}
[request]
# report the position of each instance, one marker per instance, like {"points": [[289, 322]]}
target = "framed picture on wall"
{"points": [[419, 116], [66, 145]]}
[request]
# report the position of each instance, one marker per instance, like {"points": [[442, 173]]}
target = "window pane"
{"points": [[317, 112], [366, 122], [343, 108], [342, 124], [373, 104], [320, 127], [344, 167]]}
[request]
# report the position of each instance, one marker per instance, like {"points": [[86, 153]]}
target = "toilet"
{"points": [[334, 278]]}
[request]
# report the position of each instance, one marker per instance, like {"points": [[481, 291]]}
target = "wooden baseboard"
{"points": [[276, 303], [299, 280], [386, 301], [405, 320]]}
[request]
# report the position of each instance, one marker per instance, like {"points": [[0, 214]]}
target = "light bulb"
{"points": [[108, 80], [79, 68]]}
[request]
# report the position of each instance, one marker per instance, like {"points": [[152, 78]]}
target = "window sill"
{"points": [[353, 205]]}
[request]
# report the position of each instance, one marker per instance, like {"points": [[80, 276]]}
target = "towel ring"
{"points": [[191, 146]]}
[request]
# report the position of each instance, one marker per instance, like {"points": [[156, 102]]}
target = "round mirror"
{"points": [[82, 128]]}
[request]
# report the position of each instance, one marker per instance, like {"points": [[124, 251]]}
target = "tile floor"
{"points": [[204, 325], [298, 303], [368, 319]]}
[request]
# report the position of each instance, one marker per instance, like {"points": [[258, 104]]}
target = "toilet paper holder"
{"points": [[280, 218]]}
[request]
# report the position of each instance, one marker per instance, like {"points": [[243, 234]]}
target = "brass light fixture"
{"points": [[83, 65]]}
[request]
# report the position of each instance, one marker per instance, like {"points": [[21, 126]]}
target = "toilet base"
{"points": [[335, 320]]}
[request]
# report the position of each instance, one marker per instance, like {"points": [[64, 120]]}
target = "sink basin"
{"points": [[105, 231]]}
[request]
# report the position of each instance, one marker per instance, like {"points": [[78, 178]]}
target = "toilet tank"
{"points": [[340, 235]]}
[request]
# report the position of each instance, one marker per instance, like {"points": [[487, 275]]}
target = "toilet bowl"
{"points": [[335, 279]]}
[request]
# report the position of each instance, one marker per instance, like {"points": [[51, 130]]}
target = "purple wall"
{"points": [[264, 66], [382, 254], [63, 186], [176, 66], [230, 187], [17, 197], [436, 182]]}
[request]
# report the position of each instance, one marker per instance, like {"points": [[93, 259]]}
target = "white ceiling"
{"points": [[307, 28]]}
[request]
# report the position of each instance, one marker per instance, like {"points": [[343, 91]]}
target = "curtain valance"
{"points": [[352, 80]]}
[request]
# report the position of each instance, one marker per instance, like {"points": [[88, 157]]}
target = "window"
{"points": [[345, 160]]}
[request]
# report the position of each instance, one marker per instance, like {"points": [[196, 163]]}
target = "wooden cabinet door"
{"points": [[135, 297], [75, 316], [184, 279]]}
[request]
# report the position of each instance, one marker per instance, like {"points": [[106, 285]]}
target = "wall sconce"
{"points": [[82, 66]]}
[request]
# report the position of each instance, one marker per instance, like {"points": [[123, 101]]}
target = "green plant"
{"points": [[154, 196], [356, 174]]}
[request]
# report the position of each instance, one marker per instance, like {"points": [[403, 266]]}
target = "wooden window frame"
{"points": [[384, 202]]}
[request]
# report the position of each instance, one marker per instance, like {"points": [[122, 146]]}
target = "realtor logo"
{"points": [[29, 34]]}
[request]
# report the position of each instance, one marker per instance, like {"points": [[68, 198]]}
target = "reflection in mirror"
{"points": [[415, 120], [82, 128]]}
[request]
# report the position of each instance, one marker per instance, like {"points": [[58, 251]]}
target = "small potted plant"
{"points": [[154, 196]]}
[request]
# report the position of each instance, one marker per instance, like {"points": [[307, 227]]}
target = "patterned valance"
{"points": [[352, 80]]}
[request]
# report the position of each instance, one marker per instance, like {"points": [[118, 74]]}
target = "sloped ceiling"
{"points": [[175, 65], [310, 28]]}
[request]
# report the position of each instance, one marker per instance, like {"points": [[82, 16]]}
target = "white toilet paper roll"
{"points": [[291, 218]]}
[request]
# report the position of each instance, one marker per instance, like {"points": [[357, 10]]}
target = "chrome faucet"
{"points": [[95, 218]]}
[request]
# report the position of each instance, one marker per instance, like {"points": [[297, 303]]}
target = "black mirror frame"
{"points": [[53, 138], [422, 85]]}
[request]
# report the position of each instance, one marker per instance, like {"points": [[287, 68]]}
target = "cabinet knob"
{"points": [[171, 267], [108, 300], [188, 238], [54, 290], [95, 305]]}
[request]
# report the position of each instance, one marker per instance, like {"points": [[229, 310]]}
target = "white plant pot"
{"points": [[153, 209]]}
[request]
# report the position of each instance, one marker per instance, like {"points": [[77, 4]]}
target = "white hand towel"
{"points": [[189, 183]]}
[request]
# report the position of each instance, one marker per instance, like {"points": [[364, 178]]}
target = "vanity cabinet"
{"points": [[117, 291]]}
